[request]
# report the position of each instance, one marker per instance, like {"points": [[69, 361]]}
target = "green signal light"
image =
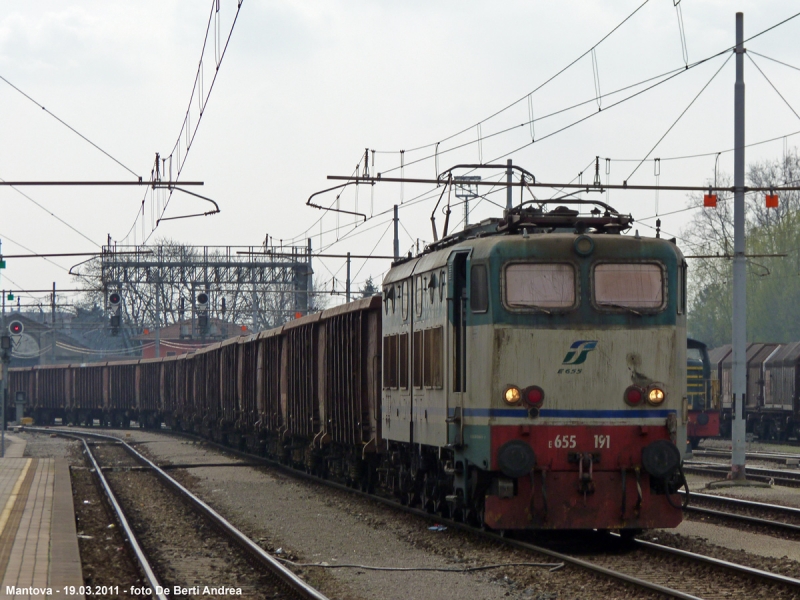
{"points": [[10, 297], [2, 264]]}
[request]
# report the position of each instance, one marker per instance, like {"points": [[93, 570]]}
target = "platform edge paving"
{"points": [[65, 558]]}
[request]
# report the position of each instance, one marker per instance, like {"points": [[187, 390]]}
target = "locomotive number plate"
{"points": [[571, 441], [563, 441], [602, 441]]}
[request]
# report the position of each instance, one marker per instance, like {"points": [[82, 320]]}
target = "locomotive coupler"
{"points": [[585, 462]]}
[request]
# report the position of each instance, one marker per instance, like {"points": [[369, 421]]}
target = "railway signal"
{"points": [[114, 304], [16, 328], [201, 302]]}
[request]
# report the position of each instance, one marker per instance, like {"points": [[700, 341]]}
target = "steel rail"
{"points": [[286, 576], [765, 456], [747, 504], [785, 478], [496, 537], [744, 518], [144, 564], [791, 510], [741, 569]]}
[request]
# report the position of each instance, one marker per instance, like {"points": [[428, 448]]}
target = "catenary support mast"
{"points": [[739, 272]]}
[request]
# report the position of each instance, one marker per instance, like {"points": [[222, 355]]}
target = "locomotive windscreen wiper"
{"points": [[538, 308], [622, 306]]}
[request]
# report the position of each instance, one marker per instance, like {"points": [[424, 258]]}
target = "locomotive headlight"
{"points": [[655, 395], [512, 395]]}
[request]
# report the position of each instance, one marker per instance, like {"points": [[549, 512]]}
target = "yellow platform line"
{"points": [[12, 499]]}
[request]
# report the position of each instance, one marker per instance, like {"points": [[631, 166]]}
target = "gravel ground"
{"points": [[184, 549], [105, 560], [313, 524], [46, 446], [732, 538]]}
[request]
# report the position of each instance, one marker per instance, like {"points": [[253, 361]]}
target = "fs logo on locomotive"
{"points": [[576, 355]]}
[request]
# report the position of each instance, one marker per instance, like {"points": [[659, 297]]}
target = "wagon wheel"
{"points": [[428, 496]]}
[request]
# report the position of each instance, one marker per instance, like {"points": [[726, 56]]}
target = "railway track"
{"points": [[644, 565], [785, 458], [783, 477], [769, 518], [174, 546]]}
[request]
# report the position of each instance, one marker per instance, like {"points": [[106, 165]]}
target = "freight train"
{"points": [[772, 397], [528, 372]]}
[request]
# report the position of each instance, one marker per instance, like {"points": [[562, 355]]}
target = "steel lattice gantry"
{"points": [[266, 284]]}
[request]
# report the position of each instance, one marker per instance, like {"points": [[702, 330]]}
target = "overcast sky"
{"points": [[305, 87]]}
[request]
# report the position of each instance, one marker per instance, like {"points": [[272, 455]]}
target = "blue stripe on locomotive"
{"points": [[522, 413]]}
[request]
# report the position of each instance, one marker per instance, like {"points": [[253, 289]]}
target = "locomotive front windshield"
{"points": [[540, 284], [629, 285]]}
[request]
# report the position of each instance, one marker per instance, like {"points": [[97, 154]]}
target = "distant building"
{"points": [[34, 346], [178, 339]]}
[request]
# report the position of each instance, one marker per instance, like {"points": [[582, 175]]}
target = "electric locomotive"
{"points": [[534, 373], [702, 394]]}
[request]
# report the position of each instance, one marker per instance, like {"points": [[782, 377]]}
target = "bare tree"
{"points": [[773, 284]]}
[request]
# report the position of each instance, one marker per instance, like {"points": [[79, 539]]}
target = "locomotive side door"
{"points": [[457, 344]]}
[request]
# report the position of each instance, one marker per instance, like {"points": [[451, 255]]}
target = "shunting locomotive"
{"points": [[702, 392], [559, 401]]}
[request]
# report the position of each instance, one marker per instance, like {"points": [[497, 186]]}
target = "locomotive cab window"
{"points": [[419, 294], [390, 362], [478, 289], [539, 285], [629, 285]]}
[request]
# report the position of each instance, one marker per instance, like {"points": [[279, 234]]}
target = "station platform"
{"points": [[38, 539]]}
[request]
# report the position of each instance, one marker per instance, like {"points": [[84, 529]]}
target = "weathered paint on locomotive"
{"points": [[583, 405]]}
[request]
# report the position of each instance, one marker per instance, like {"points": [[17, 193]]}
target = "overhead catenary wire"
{"points": [[536, 89], [682, 30], [52, 214], [772, 85], [662, 79], [772, 59], [680, 116], [72, 129], [671, 74], [187, 131]]}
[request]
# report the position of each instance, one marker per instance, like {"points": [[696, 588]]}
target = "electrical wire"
{"points": [[5, 237], [203, 101], [772, 85], [72, 129], [674, 72], [536, 89], [773, 60], [186, 124], [685, 110], [371, 252], [51, 213]]}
